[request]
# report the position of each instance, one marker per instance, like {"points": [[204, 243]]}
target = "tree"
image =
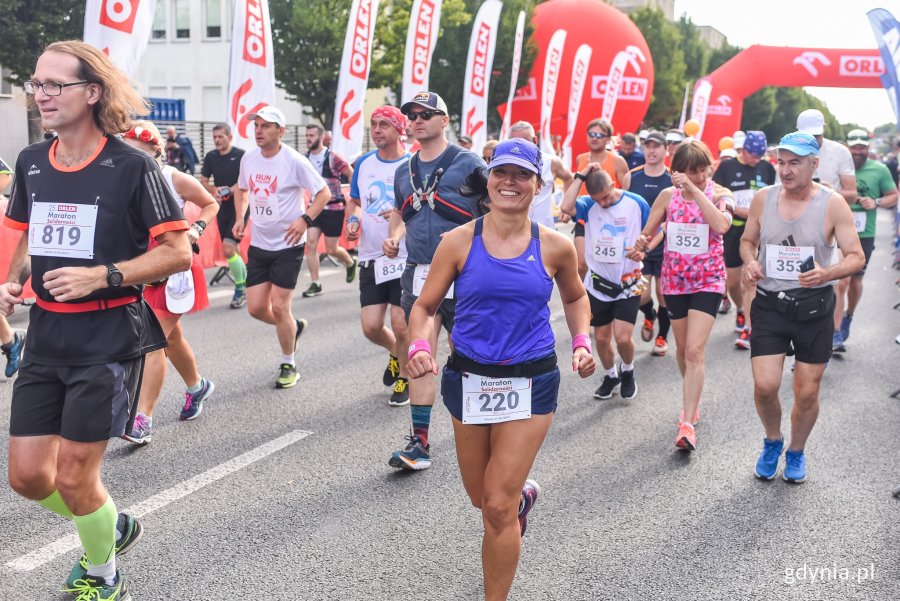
{"points": [[30, 25], [664, 41], [696, 52]]}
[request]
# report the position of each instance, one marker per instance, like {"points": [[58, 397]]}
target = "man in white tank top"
{"points": [[552, 168]]}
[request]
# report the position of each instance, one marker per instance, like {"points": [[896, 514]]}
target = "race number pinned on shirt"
{"points": [[62, 230], [609, 249], [495, 400], [743, 198], [783, 262], [388, 269], [264, 208], [859, 220], [687, 238], [419, 276]]}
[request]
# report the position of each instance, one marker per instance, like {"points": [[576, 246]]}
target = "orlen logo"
{"points": [[359, 59], [119, 14], [422, 42], [239, 112], [808, 61], [479, 61], [67, 208], [861, 66], [528, 91], [722, 108], [630, 88], [254, 34]]}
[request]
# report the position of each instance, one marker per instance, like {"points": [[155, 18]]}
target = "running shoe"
{"points": [[660, 348], [414, 457], [725, 307], [739, 321], [767, 464], [193, 402], [351, 271], [607, 387], [400, 396], [794, 467], [693, 421], [302, 324], [287, 376], [837, 343], [141, 431], [239, 299], [313, 290], [129, 531], [628, 387], [90, 588], [743, 341], [530, 493], [13, 353], [686, 438], [647, 330], [391, 372], [845, 326]]}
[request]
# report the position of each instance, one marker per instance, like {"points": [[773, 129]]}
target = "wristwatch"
{"points": [[307, 219], [878, 202], [114, 277], [579, 176]]}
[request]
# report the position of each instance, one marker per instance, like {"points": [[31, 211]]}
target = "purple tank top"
{"points": [[502, 315]]}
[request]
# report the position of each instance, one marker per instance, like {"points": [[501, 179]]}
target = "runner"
{"points": [[674, 137], [553, 169], [187, 289], [496, 445], [379, 277], [787, 249], [427, 204], [11, 342], [647, 181], [875, 188], [697, 213], [743, 177], [89, 329], [629, 151], [276, 176], [330, 222], [223, 164], [612, 221]]}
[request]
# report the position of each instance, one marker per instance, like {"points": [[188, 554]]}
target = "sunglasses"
{"points": [[423, 115], [596, 135]]}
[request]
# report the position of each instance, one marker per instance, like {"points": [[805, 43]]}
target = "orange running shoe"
{"points": [[661, 347], [647, 330], [686, 438]]}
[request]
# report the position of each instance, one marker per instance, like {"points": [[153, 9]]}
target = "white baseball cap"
{"points": [[738, 138], [270, 114], [812, 122], [180, 292]]}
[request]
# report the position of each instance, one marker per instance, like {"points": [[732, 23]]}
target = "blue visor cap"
{"points": [[800, 144], [755, 143], [518, 152]]}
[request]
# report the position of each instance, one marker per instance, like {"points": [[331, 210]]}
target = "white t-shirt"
{"points": [[835, 160], [318, 159], [541, 209], [275, 187], [373, 185]]}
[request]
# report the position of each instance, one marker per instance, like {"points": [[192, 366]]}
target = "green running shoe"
{"points": [[287, 377], [130, 532], [91, 588]]}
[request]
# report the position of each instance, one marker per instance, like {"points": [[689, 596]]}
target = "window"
{"points": [[182, 19], [159, 22], [213, 18], [5, 86]]}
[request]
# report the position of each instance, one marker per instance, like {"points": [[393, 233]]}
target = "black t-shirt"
{"points": [[743, 181], [649, 186], [119, 198], [224, 170]]}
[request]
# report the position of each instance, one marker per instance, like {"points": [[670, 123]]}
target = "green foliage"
{"points": [[30, 25], [696, 52], [665, 42]]}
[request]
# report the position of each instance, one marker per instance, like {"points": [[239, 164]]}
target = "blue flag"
{"points": [[887, 34]]}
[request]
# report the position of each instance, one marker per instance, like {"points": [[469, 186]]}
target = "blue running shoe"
{"points": [[128, 532], [193, 403], [13, 353], [794, 467], [845, 326], [767, 464], [414, 457], [530, 493], [837, 342], [141, 431]]}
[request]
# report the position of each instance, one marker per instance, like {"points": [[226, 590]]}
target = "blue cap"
{"points": [[800, 144], [755, 143], [518, 152]]}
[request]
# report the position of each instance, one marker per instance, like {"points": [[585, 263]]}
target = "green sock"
{"points": [[238, 270], [56, 504], [98, 533]]}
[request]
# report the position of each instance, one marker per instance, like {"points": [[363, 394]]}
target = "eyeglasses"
{"points": [[596, 135], [49, 88], [423, 115]]}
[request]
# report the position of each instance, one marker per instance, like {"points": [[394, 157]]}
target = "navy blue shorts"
{"points": [[544, 392]]}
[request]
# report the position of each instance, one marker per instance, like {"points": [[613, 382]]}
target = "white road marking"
{"points": [[65, 544]]}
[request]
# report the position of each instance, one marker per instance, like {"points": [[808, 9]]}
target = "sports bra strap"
{"points": [[535, 230]]}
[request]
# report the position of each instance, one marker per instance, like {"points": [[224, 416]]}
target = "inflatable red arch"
{"points": [[719, 97]]}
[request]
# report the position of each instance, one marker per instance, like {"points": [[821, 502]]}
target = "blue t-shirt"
{"points": [[649, 188], [634, 160], [424, 229]]}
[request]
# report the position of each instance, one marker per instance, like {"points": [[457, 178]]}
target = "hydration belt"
{"points": [[528, 369], [95, 305]]}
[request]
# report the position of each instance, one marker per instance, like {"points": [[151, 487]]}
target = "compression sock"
{"points": [[238, 270], [648, 311], [56, 504], [421, 419], [664, 323], [98, 537], [197, 388]]}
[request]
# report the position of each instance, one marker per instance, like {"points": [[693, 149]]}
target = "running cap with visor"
{"points": [[739, 137], [812, 122], [655, 136], [270, 114], [755, 143], [800, 143], [674, 136], [519, 152], [858, 137], [426, 100]]}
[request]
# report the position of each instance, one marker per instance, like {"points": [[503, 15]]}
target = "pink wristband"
{"points": [[581, 341], [419, 345]]}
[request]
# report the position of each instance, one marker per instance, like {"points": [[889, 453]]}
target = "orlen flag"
{"points": [[424, 23], [354, 78], [120, 28], [478, 73], [616, 54], [251, 84]]}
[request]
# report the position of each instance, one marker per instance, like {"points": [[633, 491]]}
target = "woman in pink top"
{"points": [[697, 212]]}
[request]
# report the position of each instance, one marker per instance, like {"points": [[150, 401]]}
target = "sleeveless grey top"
{"points": [[807, 231]]}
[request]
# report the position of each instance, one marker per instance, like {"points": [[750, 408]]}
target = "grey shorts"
{"points": [[447, 309]]}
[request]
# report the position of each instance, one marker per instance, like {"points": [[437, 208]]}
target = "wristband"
{"points": [[581, 341], [419, 345], [307, 219], [579, 176]]}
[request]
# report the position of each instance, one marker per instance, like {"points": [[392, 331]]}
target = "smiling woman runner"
{"points": [[501, 383]]}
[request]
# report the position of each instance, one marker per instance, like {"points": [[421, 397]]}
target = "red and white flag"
{"points": [[552, 64], [479, 63], [514, 75], [630, 56], [424, 23], [700, 103], [354, 78], [579, 76], [251, 84], [120, 28]]}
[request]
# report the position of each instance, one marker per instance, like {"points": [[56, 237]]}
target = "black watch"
{"points": [[308, 220], [114, 277], [579, 176]]}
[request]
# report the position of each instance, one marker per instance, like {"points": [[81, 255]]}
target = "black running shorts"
{"points": [[225, 221], [330, 222], [278, 267], [604, 312], [447, 309], [87, 403], [678, 305], [371, 293], [868, 245], [731, 243], [773, 332]]}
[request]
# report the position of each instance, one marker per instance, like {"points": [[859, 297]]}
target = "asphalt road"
{"points": [[286, 494]]}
